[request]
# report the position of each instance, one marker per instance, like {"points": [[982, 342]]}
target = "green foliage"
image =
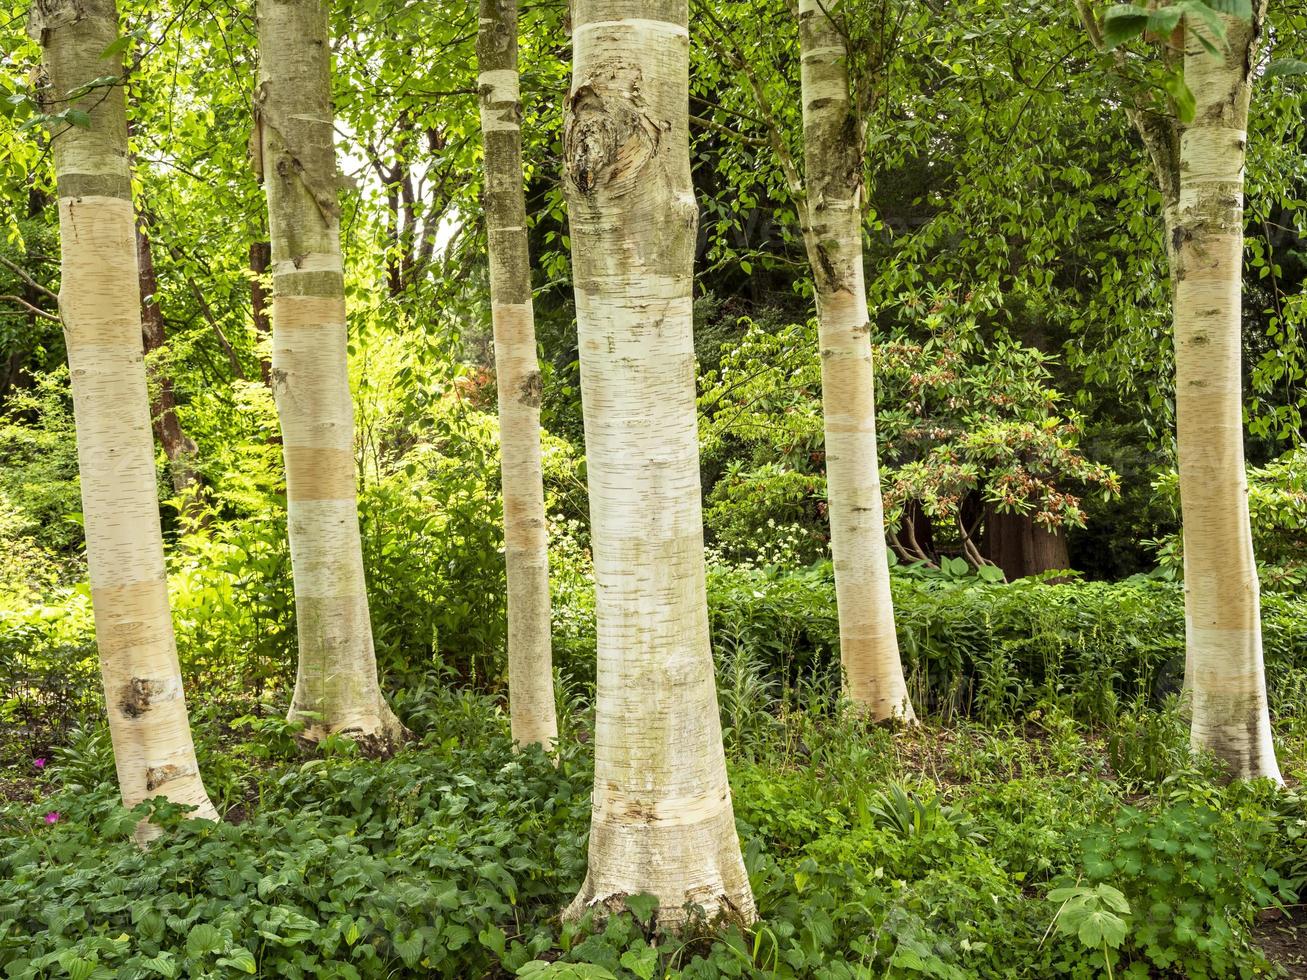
{"points": [[963, 424], [425, 864], [38, 463], [453, 858], [972, 647], [1277, 507], [1193, 876]]}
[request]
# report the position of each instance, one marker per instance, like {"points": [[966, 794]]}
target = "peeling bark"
{"points": [[832, 207], [526, 544], [661, 821], [101, 307], [336, 685]]}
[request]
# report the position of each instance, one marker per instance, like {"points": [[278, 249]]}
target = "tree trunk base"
{"points": [[378, 735], [696, 914]]}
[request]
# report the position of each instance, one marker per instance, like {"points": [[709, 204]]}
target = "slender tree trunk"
{"points": [[526, 545], [260, 262], [869, 649], [1222, 604], [177, 445], [100, 303], [662, 820], [336, 686]]}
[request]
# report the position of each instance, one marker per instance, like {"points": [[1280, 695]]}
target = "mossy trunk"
{"points": [[336, 686], [526, 544], [662, 820], [869, 649], [100, 303]]}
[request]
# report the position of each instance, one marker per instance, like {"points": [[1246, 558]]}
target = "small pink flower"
{"points": [[52, 816], [39, 763]]}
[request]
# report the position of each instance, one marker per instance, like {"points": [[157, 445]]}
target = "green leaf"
{"points": [[493, 939], [1102, 927], [543, 970], [1065, 894], [1122, 22], [77, 117], [203, 938], [241, 959], [642, 962], [1242, 9], [642, 906], [1283, 67], [1164, 20], [77, 967], [163, 964], [117, 47], [1113, 898], [410, 949], [1185, 104]]}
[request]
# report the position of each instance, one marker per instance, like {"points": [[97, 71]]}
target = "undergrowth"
{"points": [[969, 851]]}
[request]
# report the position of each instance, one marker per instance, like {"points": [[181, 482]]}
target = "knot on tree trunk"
{"points": [[607, 138]]}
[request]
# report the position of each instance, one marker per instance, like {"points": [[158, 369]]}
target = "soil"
{"points": [[1283, 938]]}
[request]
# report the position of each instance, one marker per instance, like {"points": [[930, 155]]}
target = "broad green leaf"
{"points": [[117, 47], [77, 967], [1113, 898], [642, 906], [241, 959], [164, 964], [642, 962], [203, 938], [1122, 22], [1283, 67], [544, 970], [1164, 20]]}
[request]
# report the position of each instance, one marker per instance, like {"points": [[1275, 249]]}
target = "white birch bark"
{"points": [[1225, 674], [336, 686], [662, 821], [526, 546], [869, 649], [100, 305]]}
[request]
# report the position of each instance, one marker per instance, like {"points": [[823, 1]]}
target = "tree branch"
{"points": [[32, 309]]}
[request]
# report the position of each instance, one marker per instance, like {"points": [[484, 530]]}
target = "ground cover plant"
{"points": [[1041, 850]]}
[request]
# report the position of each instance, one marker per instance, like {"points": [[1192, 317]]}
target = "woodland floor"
{"points": [[917, 853]]}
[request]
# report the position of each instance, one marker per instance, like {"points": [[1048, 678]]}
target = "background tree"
{"points": [[831, 202], [336, 685], [517, 378]]}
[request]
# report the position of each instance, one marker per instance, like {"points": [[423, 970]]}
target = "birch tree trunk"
{"points": [[526, 545], [100, 303], [336, 686], [869, 649], [1225, 674], [662, 821]]}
